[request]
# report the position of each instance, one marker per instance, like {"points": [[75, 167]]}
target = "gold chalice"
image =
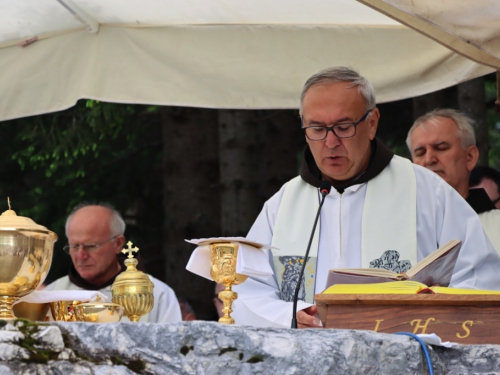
{"points": [[25, 256], [133, 289], [64, 310], [32, 311], [223, 258], [99, 312]]}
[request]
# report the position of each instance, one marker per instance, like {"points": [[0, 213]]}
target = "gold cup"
{"points": [[25, 256], [223, 258], [64, 310], [31, 311], [98, 312]]}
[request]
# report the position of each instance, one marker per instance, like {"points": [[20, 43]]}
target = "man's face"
{"points": [[90, 225], [435, 145], [339, 159], [491, 189]]}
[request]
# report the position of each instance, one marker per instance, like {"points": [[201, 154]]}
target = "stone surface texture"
{"points": [[211, 348]]}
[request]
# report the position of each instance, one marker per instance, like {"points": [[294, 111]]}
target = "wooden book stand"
{"points": [[465, 319]]}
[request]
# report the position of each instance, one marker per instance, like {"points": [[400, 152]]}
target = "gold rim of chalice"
{"points": [[99, 312]]}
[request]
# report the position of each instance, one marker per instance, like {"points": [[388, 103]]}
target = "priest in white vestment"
{"points": [[383, 211]]}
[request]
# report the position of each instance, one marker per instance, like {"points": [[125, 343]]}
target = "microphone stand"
{"points": [[325, 190]]}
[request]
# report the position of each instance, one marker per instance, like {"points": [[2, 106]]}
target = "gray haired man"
{"points": [[444, 141], [382, 207]]}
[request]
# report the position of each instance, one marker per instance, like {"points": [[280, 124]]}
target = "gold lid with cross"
{"points": [[132, 288]]}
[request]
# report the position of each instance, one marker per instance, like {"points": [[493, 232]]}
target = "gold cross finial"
{"points": [[130, 249]]}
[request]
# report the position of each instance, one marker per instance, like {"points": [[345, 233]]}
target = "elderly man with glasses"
{"points": [[95, 238], [383, 211]]}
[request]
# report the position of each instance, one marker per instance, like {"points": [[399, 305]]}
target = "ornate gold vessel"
{"points": [[64, 310], [25, 257], [98, 312], [132, 288], [223, 258]]}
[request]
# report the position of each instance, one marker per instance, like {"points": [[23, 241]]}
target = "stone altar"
{"points": [[211, 348]]}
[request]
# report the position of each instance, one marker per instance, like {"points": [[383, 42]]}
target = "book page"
{"points": [[437, 268], [445, 290], [380, 272], [341, 277], [393, 287]]}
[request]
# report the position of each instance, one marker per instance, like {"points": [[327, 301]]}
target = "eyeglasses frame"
{"points": [[331, 128], [89, 247]]}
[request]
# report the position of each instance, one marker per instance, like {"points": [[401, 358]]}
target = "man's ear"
{"points": [[472, 157], [373, 122], [120, 242]]}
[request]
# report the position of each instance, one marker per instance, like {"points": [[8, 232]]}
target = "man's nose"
{"points": [[430, 158], [331, 140], [81, 254]]}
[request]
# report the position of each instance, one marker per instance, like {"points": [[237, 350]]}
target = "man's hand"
{"points": [[307, 318]]}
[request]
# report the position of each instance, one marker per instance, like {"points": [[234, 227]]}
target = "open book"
{"points": [[400, 287], [434, 269]]}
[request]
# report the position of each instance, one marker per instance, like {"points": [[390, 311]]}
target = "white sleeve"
{"points": [[51, 286], [166, 308], [258, 302], [445, 215]]}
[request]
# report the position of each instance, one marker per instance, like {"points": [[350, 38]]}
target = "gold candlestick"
{"points": [[223, 258], [132, 288]]}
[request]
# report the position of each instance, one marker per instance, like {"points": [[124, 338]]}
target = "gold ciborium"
{"points": [[132, 288], [25, 256], [223, 258], [98, 312]]}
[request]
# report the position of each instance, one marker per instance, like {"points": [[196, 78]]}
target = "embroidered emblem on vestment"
{"points": [[289, 279], [390, 261]]}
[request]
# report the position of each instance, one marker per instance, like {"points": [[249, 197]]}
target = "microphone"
{"points": [[324, 189]]}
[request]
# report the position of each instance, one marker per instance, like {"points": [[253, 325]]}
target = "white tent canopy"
{"points": [[206, 53], [471, 28]]}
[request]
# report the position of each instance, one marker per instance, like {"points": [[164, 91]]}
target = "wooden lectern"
{"points": [[464, 319]]}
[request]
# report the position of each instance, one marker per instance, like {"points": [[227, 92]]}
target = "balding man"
{"points": [[95, 238], [444, 141]]}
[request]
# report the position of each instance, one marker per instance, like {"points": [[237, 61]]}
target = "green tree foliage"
{"points": [[53, 162]]}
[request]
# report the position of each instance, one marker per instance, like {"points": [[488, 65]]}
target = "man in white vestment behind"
{"points": [[383, 211], [444, 142], [95, 239]]}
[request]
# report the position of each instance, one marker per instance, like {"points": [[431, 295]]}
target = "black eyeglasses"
{"points": [[87, 247], [342, 130]]}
